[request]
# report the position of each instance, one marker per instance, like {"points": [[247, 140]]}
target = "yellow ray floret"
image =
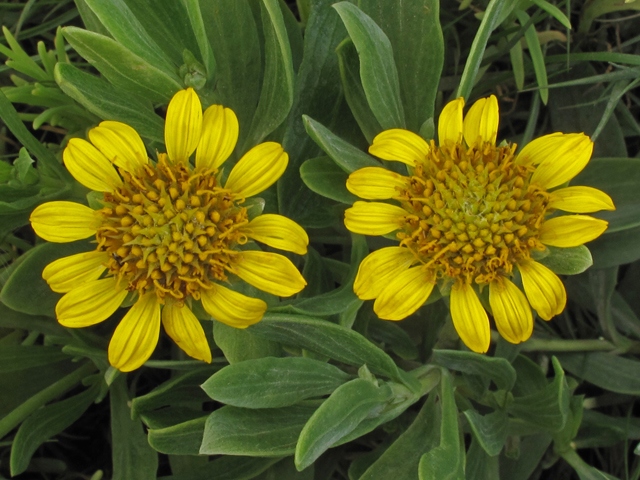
{"points": [[63, 222], [543, 288], [379, 268], [270, 272], [232, 308], [67, 273], [90, 303], [376, 183], [581, 200], [184, 328], [89, 166], [571, 230], [372, 218], [183, 125], [511, 311], [219, 136], [481, 123], [470, 318], [450, 123], [278, 232], [404, 294], [258, 169], [399, 145], [121, 144]]}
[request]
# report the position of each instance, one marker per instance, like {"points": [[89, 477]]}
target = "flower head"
{"points": [[169, 232], [469, 215]]}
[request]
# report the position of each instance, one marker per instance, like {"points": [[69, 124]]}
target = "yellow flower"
{"points": [[169, 232], [468, 213]]}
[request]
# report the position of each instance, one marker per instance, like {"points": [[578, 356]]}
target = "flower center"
{"points": [[472, 212], [171, 230]]}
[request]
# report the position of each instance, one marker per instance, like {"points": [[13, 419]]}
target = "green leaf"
{"points": [[353, 91], [24, 166], [554, 11], [26, 291], [490, 430], [325, 338], [346, 156], [617, 177], [123, 68], [273, 382], [181, 439], [413, 28], [584, 470], [326, 178], [394, 337], [568, 261], [89, 18], [103, 100], [530, 377], [616, 248], [132, 455], [197, 24], [548, 408], [377, 66], [267, 432], [608, 371], [44, 424], [233, 36], [226, 468], [479, 465], [14, 358], [537, 57], [489, 22], [276, 97], [598, 430], [446, 461], [339, 415], [532, 449], [239, 345], [126, 28], [17, 320], [402, 458], [497, 369]]}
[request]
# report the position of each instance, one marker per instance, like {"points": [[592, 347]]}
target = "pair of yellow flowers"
{"points": [[169, 232]]}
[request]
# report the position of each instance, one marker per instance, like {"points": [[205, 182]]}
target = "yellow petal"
{"points": [[232, 308], [375, 183], [270, 272], [136, 336], [89, 166], [511, 311], [450, 122], [470, 318], [559, 157], [183, 125], [121, 144], [581, 200], [90, 303], [404, 294], [543, 288], [67, 273], [278, 232], [63, 222], [258, 169], [378, 269], [373, 218], [482, 121], [219, 136], [571, 230], [184, 328], [400, 145]]}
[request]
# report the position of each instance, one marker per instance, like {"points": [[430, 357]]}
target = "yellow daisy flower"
{"points": [[468, 213], [168, 231]]}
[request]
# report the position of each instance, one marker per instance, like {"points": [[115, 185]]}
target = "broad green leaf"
{"points": [[181, 439], [568, 261], [598, 430], [183, 389], [537, 57], [548, 408], [17, 320], [402, 458], [226, 468], [273, 382], [276, 97], [132, 455], [446, 461], [603, 283], [608, 371], [497, 369], [266, 432], [123, 68], [317, 274], [471, 67], [239, 345], [563, 439], [26, 291], [233, 36], [294, 33], [44, 424], [353, 91], [617, 177], [325, 338], [616, 248], [532, 449], [479, 465], [394, 337], [377, 66], [346, 156], [170, 416], [285, 469], [175, 34], [14, 358], [103, 100], [89, 18], [317, 93], [126, 28], [413, 28], [339, 415], [326, 178], [199, 30], [530, 378], [490, 431]]}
